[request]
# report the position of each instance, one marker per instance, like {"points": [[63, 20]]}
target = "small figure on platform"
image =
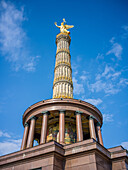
{"points": [[64, 27]]}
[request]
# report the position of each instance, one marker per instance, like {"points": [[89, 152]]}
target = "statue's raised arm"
{"points": [[56, 24], [64, 27]]}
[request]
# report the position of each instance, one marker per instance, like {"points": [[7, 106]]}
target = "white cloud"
{"points": [[95, 102], [30, 66], [83, 77], [123, 82], [107, 70], [97, 86], [4, 134], [112, 40], [108, 88], [10, 146], [78, 88], [79, 58], [125, 27], [125, 145], [115, 75], [125, 33], [75, 73], [13, 39], [108, 117], [100, 56], [108, 81], [116, 49], [75, 67]]}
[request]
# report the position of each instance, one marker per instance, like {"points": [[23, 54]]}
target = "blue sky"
{"points": [[99, 59]]}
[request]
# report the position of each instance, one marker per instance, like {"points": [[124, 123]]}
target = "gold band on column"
{"points": [[62, 127], [79, 126], [31, 132], [44, 127], [24, 140], [92, 127], [99, 133]]}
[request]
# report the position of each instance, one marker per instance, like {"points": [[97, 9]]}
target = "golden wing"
{"points": [[68, 26]]}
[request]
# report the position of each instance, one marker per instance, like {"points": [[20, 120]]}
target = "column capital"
{"points": [[45, 112], [33, 117], [26, 124], [78, 112], [91, 117], [98, 124], [62, 111]]}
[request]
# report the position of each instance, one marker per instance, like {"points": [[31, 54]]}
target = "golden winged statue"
{"points": [[64, 27]]}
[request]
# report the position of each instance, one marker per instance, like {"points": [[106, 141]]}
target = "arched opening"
{"points": [[37, 132], [53, 127], [85, 127], [70, 127]]}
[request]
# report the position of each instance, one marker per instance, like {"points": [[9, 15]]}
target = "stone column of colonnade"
{"points": [[28, 136], [62, 127], [79, 126], [92, 130], [92, 127], [100, 140], [44, 127], [31, 132], [25, 136], [63, 86]]}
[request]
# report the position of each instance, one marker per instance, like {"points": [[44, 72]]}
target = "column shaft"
{"points": [[92, 128], [79, 127], [62, 127], [31, 132], [99, 135], [44, 128], [24, 140]]}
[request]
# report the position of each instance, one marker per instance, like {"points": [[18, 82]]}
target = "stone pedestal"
{"points": [[85, 155]]}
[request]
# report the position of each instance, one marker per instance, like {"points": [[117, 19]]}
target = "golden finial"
{"points": [[64, 27]]}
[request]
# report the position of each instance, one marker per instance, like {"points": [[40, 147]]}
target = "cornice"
{"points": [[61, 103]]}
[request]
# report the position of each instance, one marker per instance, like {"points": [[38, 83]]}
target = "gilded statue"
{"points": [[64, 27]]}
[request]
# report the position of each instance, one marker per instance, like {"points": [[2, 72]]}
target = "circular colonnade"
{"points": [[66, 121]]}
